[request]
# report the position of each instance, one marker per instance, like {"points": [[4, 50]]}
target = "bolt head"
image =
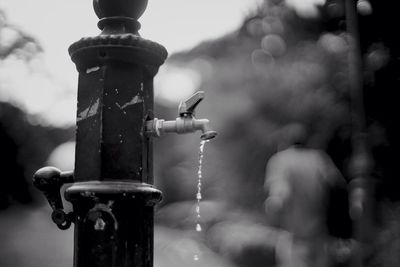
{"points": [[116, 8]]}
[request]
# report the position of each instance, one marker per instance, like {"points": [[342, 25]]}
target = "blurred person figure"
{"points": [[299, 181]]}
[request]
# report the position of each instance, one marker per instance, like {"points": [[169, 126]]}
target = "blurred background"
{"points": [[263, 65]]}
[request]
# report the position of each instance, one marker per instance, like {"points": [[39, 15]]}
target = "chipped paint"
{"points": [[89, 70], [89, 111], [136, 99]]}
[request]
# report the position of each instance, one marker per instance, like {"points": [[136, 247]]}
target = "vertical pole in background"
{"points": [[112, 195], [362, 186]]}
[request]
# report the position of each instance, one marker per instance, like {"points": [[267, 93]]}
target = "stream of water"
{"points": [[198, 194]]}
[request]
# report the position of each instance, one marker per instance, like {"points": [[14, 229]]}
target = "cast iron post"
{"points": [[112, 194]]}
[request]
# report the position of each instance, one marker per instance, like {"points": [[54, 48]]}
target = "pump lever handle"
{"points": [[49, 180], [187, 107]]}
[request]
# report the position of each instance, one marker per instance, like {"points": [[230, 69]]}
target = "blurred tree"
{"points": [[14, 42], [24, 146], [15, 187], [276, 69], [381, 50]]}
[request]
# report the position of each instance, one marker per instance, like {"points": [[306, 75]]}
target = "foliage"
{"points": [[275, 70], [14, 42], [279, 68], [258, 81], [25, 145]]}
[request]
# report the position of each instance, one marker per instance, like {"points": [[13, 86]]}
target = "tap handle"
{"points": [[187, 107], [49, 180]]}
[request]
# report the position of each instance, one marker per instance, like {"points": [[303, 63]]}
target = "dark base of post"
{"points": [[113, 223]]}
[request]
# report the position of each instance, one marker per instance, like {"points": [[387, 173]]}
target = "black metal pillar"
{"points": [[112, 194]]}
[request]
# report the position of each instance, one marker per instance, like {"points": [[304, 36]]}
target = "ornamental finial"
{"points": [[119, 16]]}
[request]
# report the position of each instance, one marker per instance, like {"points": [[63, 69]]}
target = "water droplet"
{"points": [[198, 194], [198, 227]]}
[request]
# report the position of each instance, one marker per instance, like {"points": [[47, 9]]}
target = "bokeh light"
{"points": [[174, 84]]}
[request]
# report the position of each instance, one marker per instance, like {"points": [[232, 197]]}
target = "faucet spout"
{"points": [[204, 126], [181, 125]]}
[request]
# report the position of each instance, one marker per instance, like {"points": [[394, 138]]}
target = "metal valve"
{"points": [[185, 123]]}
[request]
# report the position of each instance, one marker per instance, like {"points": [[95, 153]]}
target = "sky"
{"points": [[47, 86]]}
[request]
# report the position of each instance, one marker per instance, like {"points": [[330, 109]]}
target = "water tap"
{"points": [[185, 123]]}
